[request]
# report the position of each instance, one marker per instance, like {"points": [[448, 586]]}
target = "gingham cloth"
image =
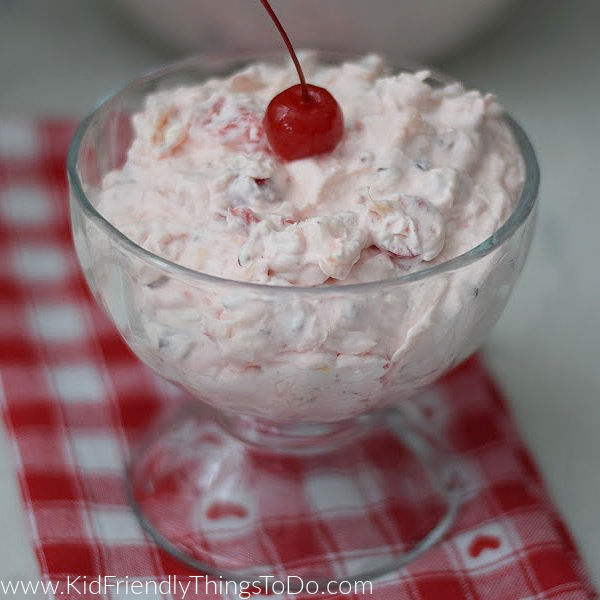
{"points": [[74, 398]]}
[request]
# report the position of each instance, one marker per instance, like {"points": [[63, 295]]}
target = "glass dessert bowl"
{"points": [[290, 384]]}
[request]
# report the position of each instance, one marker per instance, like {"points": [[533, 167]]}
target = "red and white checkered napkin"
{"points": [[75, 398]]}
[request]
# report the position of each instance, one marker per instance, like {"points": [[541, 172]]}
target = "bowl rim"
{"points": [[522, 210]]}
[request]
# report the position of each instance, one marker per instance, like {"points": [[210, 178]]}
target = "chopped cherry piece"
{"points": [[246, 126], [213, 111], [238, 127], [298, 126], [246, 214]]}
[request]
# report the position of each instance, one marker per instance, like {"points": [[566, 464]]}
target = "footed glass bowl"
{"points": [[290, 387]]}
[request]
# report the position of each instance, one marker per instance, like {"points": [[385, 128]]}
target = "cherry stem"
{"points": [[289, 46]]}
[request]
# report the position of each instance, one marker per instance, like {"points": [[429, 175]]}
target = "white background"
{"points": [[544, 63]]}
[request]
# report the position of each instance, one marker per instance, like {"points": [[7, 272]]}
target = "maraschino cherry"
{"points": [[304, 120]]}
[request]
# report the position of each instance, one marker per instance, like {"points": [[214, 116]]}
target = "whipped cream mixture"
{"points": [[421, 175]]}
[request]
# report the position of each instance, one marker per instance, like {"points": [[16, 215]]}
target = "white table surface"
{"points": [[544, 63]]}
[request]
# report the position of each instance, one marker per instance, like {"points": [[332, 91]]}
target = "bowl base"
{"points": [[249, 501]]}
